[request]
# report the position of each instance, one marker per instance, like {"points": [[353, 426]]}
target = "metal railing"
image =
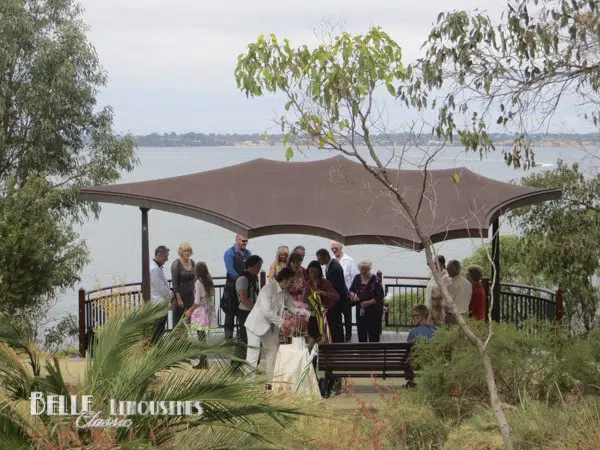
{"points": [[521, 303], [518, 303]]}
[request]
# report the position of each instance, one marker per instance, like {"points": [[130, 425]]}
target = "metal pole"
{"points": [[496, 270], [145, 256], [82, 329]]}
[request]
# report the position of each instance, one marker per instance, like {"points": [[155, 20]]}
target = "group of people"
{"points": [[324, 298], [467, 292]]}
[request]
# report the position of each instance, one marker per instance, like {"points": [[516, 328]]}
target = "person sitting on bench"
{"points": [[423, 326]]}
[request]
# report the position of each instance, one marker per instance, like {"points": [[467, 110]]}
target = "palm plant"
{"points": [[124, 366]]}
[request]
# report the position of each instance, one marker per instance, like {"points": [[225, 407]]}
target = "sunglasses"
{"points": [[245, 241]]}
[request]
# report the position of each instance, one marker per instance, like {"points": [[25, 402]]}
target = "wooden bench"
{"points": [[377, 359]]}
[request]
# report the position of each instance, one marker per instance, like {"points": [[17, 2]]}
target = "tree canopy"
{"points": [[562, 238], [514, 74], [54, 139]]}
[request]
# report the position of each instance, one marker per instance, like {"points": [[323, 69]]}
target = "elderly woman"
{"points": [[320, 296], [183, 277], [367, 294], [478, 304], [282, 258]]}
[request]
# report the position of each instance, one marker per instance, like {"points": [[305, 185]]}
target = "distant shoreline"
{"points": [[173, 140]]}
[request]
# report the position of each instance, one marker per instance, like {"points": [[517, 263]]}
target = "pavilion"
{"points": [[334, 198]]}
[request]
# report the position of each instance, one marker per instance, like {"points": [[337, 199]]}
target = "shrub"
{"points": [[581, 364], [541, 365]]}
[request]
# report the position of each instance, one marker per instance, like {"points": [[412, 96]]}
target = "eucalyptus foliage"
{"points": [[514, 74], [330, 89], [54, 140], [562, 238]]}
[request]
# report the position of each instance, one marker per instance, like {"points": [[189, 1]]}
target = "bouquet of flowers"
{"points": [[300, 327]]}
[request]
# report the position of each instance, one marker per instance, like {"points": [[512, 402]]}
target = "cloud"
{"points": [[170, 64]]}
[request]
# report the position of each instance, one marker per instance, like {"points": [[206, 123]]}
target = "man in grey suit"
{"points": [[335, 275]]}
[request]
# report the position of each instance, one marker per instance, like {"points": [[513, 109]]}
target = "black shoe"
{"points": [[348, 338], [202, 364]]}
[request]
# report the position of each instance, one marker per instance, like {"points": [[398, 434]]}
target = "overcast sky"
{"points": [[171, 63]]}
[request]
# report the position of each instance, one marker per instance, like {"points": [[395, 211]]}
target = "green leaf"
{"points": [[391, 89], [289, 154], [456, 178]]}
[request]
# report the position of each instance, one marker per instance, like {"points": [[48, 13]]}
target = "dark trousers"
{"points": [[229, 325], [203, 363], [242, 316], [242, 336], [177, 315], [347, 314], [334, 318], [159, 330], [369, 326]]}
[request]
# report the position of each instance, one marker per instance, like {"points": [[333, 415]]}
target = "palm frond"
{"points": [[118, 340], [19, 334], [18, 429], [14, 375], [133, 376], [53, 382]]}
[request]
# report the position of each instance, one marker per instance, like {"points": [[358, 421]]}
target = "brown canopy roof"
{"points": [[334, 198]]}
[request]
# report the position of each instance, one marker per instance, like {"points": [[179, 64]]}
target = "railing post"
{"points": [[559, 306], [82, 322], [145, 256], [263, 278], [485, 281]]}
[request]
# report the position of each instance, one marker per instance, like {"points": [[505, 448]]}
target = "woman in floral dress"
{"points": [[202, 312], [300, 282]]}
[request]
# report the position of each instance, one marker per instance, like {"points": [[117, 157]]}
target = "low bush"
{"points": [[541, 366]]}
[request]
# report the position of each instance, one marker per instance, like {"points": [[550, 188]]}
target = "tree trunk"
{"points": [[481, 349]]}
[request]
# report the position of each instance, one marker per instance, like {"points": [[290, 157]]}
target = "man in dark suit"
{"points": [[335, 275]]}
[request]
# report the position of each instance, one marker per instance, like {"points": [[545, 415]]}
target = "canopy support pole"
{"points": [[496, 270], [145, 256]]}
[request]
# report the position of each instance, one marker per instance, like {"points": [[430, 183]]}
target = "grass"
{"points": [[403, 420]]}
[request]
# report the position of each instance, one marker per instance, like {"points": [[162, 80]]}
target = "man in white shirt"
{"points": [[433, 294], [266, 319], [350, 271], [159, 286], [460, 290]]}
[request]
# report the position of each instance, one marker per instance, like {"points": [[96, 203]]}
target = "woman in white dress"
{"points": [[202, 312]]}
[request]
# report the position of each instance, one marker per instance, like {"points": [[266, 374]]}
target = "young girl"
{"points": [[203, 312]]}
